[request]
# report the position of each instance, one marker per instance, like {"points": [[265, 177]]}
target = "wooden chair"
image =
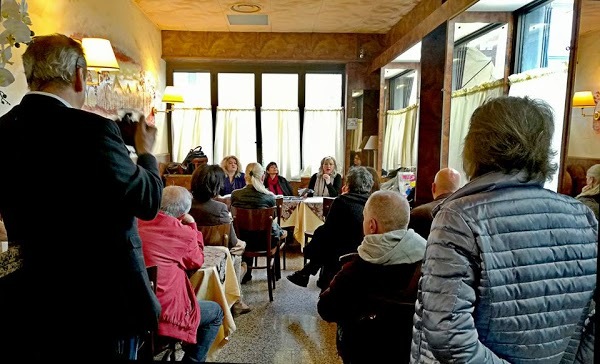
{"points": [[152, 343], [289, 229], [254, 227], [308, 234], [216, 235]]}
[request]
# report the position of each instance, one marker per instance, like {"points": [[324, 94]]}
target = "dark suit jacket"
{"points": [[211, 213], [421, 216], [73, 213]]}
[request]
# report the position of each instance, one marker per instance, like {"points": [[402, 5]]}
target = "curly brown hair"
{"points": [[511, 134]]}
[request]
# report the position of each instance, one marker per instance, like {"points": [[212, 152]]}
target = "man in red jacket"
{"points": [[173, 243]]}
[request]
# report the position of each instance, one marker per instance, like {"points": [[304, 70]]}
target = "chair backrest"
{"points": [[279, 205], [327, 202], [216, 235], [254, 225]]}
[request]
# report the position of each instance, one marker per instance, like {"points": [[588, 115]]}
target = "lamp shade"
{"points": [[99, 54], [583, 99], [172, 95], [372, 143]]}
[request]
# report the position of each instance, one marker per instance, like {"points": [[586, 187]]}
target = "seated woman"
{"points": [[207, 181], [326, 182], [276, 183], [234, 177], [590, 194], [255, 196], [355, 160]]}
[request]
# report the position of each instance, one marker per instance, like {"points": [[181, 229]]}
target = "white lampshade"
{"points": [[99, 54], [372, 143]]}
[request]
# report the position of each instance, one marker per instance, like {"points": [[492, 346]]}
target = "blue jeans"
{"points": [[211, 318]]}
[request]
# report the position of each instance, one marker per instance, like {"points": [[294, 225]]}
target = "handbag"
{"points": [[193, 159]]}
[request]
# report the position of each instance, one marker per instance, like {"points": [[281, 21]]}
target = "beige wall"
{"points": [[136, 41], [583, 141]]}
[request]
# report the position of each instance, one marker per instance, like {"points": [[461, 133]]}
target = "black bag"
{"points": [[195, 157]]}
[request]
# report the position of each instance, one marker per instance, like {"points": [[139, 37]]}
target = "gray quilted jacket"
{"points": [[508, 275]]}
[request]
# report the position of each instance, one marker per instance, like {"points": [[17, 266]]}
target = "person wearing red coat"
{"points": [[173, 243]]}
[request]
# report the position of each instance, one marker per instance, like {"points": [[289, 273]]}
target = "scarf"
{"points": [[274, 186], [589, 191], [393, 247], [321, 186]]}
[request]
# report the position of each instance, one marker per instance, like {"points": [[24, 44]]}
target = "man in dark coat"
{"points": [[342, 232], [446, 181], [83, 284]]}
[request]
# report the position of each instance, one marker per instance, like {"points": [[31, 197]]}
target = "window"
{"points": [[403, 90], [280, 122], [291, 114], [323, 121]]}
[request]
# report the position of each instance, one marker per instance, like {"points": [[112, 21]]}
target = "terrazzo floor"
{"points": [[288, 330]]}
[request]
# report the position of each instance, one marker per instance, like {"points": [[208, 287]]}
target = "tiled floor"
{"points": [[288, 330]]}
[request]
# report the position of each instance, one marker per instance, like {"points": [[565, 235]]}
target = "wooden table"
{"points": [[208, 286], [303, 214]]}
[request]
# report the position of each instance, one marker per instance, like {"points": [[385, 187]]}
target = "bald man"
{"points": [[446, 181], [385, 272]]}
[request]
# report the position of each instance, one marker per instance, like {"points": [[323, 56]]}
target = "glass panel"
{"points": [[323, 91], [546, 35], [236, 90], [280, 91], [195, 87], [401, 89]]}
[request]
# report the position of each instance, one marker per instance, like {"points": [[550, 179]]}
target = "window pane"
{"points": [[402, 89], [236, 90], [323, 91], [195, 87], [546, 35], [280, 91]]}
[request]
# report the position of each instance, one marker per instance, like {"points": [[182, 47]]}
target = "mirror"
{"points": [[362, 129]]}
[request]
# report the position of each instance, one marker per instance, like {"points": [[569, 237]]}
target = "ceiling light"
{"points": [[246, 8]]}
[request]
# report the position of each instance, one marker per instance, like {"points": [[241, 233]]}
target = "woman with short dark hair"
{"points": [[275, 183]]}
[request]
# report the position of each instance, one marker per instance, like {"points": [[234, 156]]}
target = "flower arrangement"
{"points": [[14, 18]]}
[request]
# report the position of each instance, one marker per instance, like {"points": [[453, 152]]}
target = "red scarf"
{"points": [[273, 185]]}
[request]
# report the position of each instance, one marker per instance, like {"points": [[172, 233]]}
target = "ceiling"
{"points": [[303, 16]]}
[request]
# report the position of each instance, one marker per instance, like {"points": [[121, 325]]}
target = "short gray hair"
{"points": [[594, 171], [176, 201], [52, 59], [390, 209], [359, 180]]}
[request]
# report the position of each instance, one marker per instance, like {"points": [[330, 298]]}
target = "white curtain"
{"points": [[323, 135], [400, 137], [355, 136], [235, 134], [280, 130], [464, 102], [550, 85], [192, 128]]}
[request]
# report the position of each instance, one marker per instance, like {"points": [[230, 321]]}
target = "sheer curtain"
{"points": [[550, 85], [355, 135], [464, 102], [190, 129], [280, 130], [400, 138], [323, 135], [236, 135]]}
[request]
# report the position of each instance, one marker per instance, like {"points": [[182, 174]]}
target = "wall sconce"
{"points": [[584, 99], [99, 56], [172, 95]]}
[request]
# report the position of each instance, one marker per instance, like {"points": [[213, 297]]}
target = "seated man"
{"points": [[386, 272], [342, 232], [446, 182], [173, 243]]}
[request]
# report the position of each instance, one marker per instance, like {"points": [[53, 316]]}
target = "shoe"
{"points": [[246, 278], [299, 278], [240, 308]]}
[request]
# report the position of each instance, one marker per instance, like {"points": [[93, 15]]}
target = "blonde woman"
{"points": [[234, 177], [326, 182], [255, 196]]}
